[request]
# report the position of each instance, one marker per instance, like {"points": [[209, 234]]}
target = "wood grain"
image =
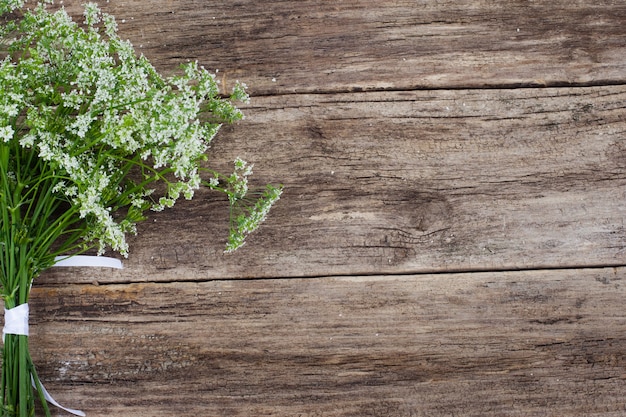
{"points": [[408, 182], [535, 343], [283, 46], [449, 243]]}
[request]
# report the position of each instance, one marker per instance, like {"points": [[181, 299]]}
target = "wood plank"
{"points": [[535, 343], [282, 46], [408, 182]]}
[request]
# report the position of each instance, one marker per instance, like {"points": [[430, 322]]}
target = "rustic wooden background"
{"points": [[451, 241]]}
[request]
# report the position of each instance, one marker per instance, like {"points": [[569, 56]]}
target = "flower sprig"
{"points": [[248, 209]]}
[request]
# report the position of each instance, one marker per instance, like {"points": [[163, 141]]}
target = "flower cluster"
{"points": [[105, 123], [7, 6]]}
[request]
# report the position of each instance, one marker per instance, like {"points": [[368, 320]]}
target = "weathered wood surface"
{"points": [[416, 177], [534, 343], [280, 46], [405, 182]]}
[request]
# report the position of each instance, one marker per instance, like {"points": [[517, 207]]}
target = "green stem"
{"points": [[39, 387], [23, 375], [16, 391]]}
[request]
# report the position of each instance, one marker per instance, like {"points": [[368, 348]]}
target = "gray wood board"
{"points": [[534, 343], [407, 182], [311, 46]]}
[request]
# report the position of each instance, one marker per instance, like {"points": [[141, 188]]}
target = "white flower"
{"points": [[92, 14], [6, 133], [59, 186], [9, 110], [81, 124], [73, 100]]}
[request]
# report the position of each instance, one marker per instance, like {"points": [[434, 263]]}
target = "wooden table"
{"points": [[451, 240]]}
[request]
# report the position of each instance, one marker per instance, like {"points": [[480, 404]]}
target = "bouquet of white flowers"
{"points": [[91, 138]]}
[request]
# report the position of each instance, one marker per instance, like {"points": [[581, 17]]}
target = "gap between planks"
{"points": [[434, 272], [452, 87]]}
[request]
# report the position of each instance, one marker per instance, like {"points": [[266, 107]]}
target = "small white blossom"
{"points": [[92, 14], [59, 187], [81, 124], [6, 133], [10, 110]]}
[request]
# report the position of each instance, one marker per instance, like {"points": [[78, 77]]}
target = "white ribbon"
{"points": [[84, 260], [16, 322], [52, 401], [16, 319]]}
